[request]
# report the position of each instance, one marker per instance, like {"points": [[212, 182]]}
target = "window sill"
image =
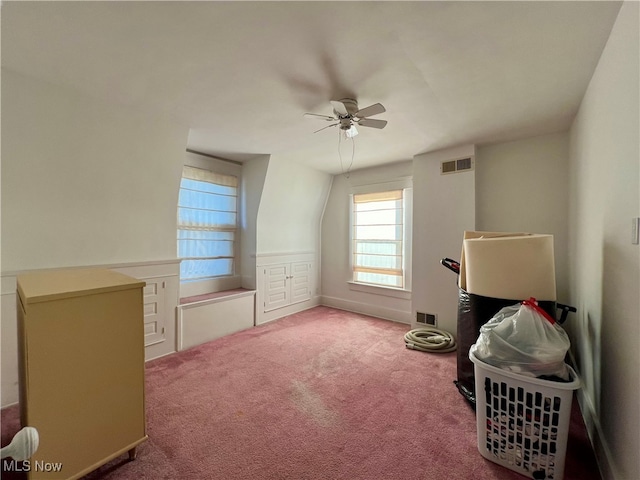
{"points": [[212, 285], [215, 297], [378, 290]]}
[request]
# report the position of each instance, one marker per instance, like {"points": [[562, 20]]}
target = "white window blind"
{"points": [[377, 236], [207, 224]]}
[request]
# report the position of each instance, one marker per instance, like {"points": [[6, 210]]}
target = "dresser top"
{"points": [[58, 284]]}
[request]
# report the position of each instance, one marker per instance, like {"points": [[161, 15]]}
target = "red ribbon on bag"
{"points": [[533, 303]]}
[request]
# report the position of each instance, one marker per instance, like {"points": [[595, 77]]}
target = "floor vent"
{"points": [[454, 166], [426, 318]]}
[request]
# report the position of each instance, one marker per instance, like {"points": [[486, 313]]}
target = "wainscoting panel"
{"points": [[203, 321], [287, 284], [160, 302]]}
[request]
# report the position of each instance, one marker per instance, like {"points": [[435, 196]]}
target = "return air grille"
{"points": [[454, 166], [426, 318]]}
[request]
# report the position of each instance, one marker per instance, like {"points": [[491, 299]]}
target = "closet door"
{"points": [[276, 286], [300, 282]]}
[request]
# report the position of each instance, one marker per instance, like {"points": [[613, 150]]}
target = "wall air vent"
{"points": [[455, 166], [448, 167], [426, 318]]}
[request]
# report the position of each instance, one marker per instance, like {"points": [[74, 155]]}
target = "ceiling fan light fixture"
{"points": [[346, 115], [351, 132]]}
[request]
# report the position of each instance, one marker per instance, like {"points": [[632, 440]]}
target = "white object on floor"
{"points": [[23, 445]]}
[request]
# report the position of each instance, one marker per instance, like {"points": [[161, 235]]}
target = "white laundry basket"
{"points": [[523, 422]]}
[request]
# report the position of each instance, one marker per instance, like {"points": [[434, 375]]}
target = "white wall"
{"points": [[290, 208], [605, 266], [335, 248], [84, 181], [523, 186], [253, 177], [443, 208], [288, 226]]}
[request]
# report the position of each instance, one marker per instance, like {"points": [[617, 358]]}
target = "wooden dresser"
{"points": [[81, 361]]}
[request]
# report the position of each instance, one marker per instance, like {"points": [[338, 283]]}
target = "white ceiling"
{"points": [[240, 75]]}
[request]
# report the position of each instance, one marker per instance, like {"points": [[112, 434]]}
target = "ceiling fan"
{"points": [[346, 114]]}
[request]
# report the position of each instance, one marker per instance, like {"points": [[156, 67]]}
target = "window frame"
{"points": [[214, 284], [407, 206]]}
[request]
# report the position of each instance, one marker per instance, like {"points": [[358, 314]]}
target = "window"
{"points": [[207, 224], [379, 233]]}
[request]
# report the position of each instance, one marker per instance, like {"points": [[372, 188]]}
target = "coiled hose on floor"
{"points": [[430, 339]]}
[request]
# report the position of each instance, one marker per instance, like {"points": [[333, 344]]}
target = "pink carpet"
{"points": [[323, 394]]}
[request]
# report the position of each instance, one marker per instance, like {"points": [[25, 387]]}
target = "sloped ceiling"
{"points": [[241, 75]]}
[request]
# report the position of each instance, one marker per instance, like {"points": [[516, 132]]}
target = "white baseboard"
{"points": [[265, 317], [367, 309], [594, 430], [598, 442]]}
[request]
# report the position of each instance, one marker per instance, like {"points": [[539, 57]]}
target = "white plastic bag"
{"points": [[524, 339]]}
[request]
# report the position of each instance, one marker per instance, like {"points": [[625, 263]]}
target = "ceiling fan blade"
{"points": [[333, 125], [372, 122], [323, 117], [374, 109], [339, 107]]}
